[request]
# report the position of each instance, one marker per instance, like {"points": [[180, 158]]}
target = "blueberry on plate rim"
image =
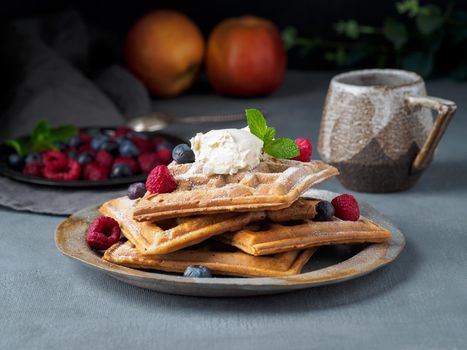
{"points": [[197, 271]]}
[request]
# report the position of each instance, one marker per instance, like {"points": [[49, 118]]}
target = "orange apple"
{"points": [[245, 57], [165, 49]]}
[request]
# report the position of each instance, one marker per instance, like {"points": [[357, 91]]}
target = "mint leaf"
{"points": [[269, 135], [256, 122], [41, 131], [277, 148], [63, 133], [42, 145], [18, 145], [282, 148]]}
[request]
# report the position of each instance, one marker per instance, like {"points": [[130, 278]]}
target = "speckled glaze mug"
{"points": [[377, 128]]}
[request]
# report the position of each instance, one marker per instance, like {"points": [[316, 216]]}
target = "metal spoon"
{"points": [[158, 120]]}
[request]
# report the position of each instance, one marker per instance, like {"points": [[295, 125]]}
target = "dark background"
{"points": [[309, 17]]}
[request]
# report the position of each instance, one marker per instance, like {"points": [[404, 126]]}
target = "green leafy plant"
{"points": [[277, 148], [43, 138], [420, 37]]}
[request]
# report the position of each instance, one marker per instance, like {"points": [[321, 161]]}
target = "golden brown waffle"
{"points": [[172, 235], [219, 262], [273, 184], [272, 238]]}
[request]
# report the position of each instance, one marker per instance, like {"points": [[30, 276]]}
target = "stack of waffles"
{"points": [[252, 224]]}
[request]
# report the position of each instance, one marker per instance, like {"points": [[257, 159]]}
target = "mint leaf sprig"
{"points": [[282, 148], [43, 138]]}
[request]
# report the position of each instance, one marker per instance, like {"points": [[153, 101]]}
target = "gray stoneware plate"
{"points": [[328, 265]]}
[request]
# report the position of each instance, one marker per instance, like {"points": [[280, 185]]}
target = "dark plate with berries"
{"points": [[331, 264], [86, 157]]}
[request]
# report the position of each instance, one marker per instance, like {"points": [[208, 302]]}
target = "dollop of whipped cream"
{"points": [[226, 151]]}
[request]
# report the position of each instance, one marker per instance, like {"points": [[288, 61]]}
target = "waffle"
{"points": [[220, 262], [272, 238], [169, 236], [274, 184]]}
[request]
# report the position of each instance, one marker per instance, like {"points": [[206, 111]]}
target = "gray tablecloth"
{"points": [[419, 302]]}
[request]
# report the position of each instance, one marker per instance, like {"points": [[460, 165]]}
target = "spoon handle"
{"points": [[211, 118]]}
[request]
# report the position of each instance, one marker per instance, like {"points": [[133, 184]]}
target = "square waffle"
{"points": [[171, 235], [219, 261], [274, 184], [271, 238]]}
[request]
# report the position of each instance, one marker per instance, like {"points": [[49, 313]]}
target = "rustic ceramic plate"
{"points": [[329, 265]]}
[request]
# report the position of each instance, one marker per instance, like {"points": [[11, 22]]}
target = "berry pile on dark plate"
{"points": [[97, 154]]}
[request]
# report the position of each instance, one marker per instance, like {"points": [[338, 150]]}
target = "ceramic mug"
{"points": [[377, 128]]}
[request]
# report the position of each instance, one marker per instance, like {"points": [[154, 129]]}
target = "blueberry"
{"points": [[128, 149], [136, 190], [164, 145], [324, 211], [16, 161], [121, 139], [84, 158], [109, 146], [73, 155], [121, 170], [60, 145], [183, 154], [98, 140], [33, 157], [197, 271], [75, 141]]}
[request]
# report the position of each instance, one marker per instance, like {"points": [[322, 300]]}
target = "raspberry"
{"points": [[130, 161], [346, 207], [94, 171], [56, 158], [143, 145], [105, 159], [147, 161], [305, 148], [33, 169], [160, 180], [85, 148], [85, 137], [68, 172], [102, 233], [165, 156], [122, 131]]}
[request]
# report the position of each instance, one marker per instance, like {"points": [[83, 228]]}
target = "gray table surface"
{"points": [[419, 302]]}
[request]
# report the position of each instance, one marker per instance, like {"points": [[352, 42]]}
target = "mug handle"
{"points": [[446, 110]]}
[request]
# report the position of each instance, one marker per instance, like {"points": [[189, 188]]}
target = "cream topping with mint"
{"points": [[226, 151]]}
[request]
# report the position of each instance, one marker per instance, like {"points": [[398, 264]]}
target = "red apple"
{"points": [[165, 49], [245, 57]]}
